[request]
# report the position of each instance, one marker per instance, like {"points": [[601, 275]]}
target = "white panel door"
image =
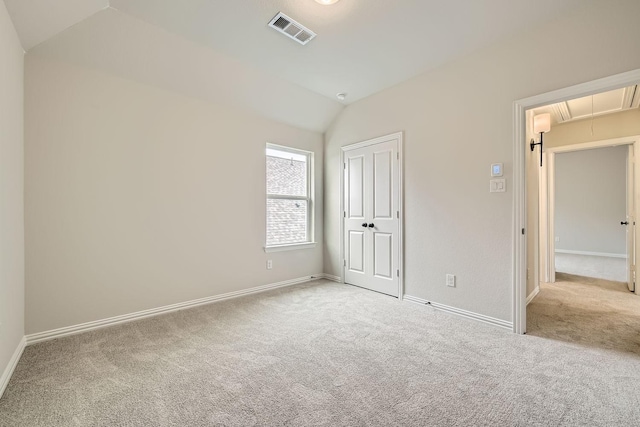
{"points": [[371, 217]]}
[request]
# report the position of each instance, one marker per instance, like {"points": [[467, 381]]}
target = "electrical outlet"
{"points": [[451, 280], [269, 264], [557, 239]]}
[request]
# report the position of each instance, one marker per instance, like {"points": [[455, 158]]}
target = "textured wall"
{"points": [[137, 197], [458, 120], [11, 190]]}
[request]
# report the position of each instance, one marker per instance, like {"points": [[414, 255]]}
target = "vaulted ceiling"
{"points": [[224, 50]]}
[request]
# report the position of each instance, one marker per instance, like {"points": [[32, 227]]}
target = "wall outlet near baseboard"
{"points": [[269, 264], [451, 280], [557, 239]]}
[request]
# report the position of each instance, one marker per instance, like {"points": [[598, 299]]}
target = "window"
{"points": [[289, 201]]}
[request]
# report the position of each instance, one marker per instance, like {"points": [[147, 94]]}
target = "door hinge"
{"points": [[344, 214], [398, 214], [344, 262], [523, 231], [398, 156], [398, 273], [344, 165]]}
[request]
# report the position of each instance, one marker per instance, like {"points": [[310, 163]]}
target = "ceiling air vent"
{"points": [[292, 29]]}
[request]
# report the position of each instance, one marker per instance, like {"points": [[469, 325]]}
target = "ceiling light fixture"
{"points": [[327, 2], [341, 96]]}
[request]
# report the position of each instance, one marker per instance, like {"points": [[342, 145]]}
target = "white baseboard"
{"points": [[603, 254], [97, 324], [464, 313], [533, 294], [13, 362], [332, 277]]}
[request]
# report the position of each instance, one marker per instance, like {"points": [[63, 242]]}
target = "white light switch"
{"points": [[497, 185]]}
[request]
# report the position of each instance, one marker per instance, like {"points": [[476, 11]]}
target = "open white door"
{"points": [[372, 215], [631, 219]]}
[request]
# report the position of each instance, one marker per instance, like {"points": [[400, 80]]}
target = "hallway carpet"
{"points": [[319, 354], [587, 311]]}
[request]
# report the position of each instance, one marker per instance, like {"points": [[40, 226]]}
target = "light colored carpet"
{"points": [[587, 311], [608, 268], [318, 354]]}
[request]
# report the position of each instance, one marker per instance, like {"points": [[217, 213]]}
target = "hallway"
{"points": [[586, 311]]}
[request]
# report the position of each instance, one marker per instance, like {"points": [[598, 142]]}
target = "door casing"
{"points": [[520, 151], [548, 194], [399, 137]]}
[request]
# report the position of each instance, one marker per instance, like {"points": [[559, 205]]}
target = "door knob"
{"points": [[624, 222], [371, 225], [364, 224]]}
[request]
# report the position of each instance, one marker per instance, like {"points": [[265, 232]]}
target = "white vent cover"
{"points": [[292, 29]]}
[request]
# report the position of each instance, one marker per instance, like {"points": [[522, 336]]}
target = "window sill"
{"points": [[293, 247]]}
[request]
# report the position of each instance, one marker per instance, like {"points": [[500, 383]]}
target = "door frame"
{"points": [[548, 193], [520, 148], [399, 136]]}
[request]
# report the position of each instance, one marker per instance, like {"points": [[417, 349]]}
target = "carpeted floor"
{"points": [[592, 312], [319, 354]]}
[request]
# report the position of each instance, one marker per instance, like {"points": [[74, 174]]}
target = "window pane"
{"points": [[286, 176], [286, 221]]}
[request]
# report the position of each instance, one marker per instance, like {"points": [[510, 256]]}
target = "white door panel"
{"points": [[356, 251], [355, 171], [382, 255], [383, 201], [371, 223]]}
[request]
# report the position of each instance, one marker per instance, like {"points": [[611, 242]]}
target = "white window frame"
{"points": [[309, 243]]}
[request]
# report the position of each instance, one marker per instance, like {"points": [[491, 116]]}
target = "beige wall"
{"points": [[458, 120], [626, 123], [137, 197], [11, 190]]}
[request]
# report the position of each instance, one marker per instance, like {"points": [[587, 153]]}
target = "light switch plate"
{"points": [[498, 185], [451, 280]]}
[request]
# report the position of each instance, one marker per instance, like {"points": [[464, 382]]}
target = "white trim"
{"points": [[633, 140], [602, 254], [291, 247], [13, 362], [331, 277], [533, 294], [463, 313], [400, 137], [544, 223], [97, 324], [519, 249], [551, 223], [603, 143]]}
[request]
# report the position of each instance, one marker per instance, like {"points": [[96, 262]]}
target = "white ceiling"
{"points": [[362, 47], [614, 101], [39, 20]]}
